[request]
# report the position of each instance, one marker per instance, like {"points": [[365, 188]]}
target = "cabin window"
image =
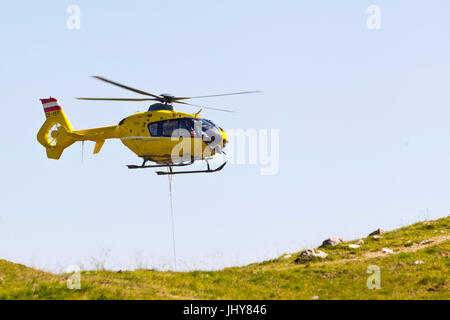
{"points": [[179, 127], [168, 127], [153, 128]]}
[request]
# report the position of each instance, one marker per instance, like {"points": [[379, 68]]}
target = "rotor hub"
{"points": [[167, 97]]}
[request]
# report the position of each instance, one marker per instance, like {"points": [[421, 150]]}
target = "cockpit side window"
{"points": [[191, 126]]}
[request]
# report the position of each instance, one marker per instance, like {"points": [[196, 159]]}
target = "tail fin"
{"points": [[56, 132]]}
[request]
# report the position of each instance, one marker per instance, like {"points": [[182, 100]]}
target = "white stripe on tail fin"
{"points": [[50, 104]]}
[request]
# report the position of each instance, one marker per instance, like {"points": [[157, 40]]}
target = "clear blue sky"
{"points": [[363, 118]]}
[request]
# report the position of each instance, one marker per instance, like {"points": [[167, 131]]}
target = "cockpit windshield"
{"points": [[210, 132], [208, 124]]}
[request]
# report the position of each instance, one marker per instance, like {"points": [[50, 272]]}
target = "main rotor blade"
{"points": [[128, 88], [217, 95], [118, 99], [196, 105]]}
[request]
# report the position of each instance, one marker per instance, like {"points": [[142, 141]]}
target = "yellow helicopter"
{"points": [[161, 135]]}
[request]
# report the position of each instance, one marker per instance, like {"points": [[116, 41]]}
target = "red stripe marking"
{"points": [[52, 109], [48, 100]]}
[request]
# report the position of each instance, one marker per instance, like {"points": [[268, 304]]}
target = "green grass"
{"points": [[342, 275]]}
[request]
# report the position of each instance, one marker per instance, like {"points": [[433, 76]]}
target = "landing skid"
{"points": [[143, 166], [181, 164], [208, 170]]}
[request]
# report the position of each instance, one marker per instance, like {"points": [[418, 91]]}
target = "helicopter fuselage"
{"points": [[148, 136], [151, 135]]}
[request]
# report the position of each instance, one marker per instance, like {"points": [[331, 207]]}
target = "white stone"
{"points": [[387, 250], [309, 253], [418, 262], [354, 246], [321, 254]]}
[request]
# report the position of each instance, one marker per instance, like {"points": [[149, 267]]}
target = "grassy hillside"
{"points": [[342, 275]]}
